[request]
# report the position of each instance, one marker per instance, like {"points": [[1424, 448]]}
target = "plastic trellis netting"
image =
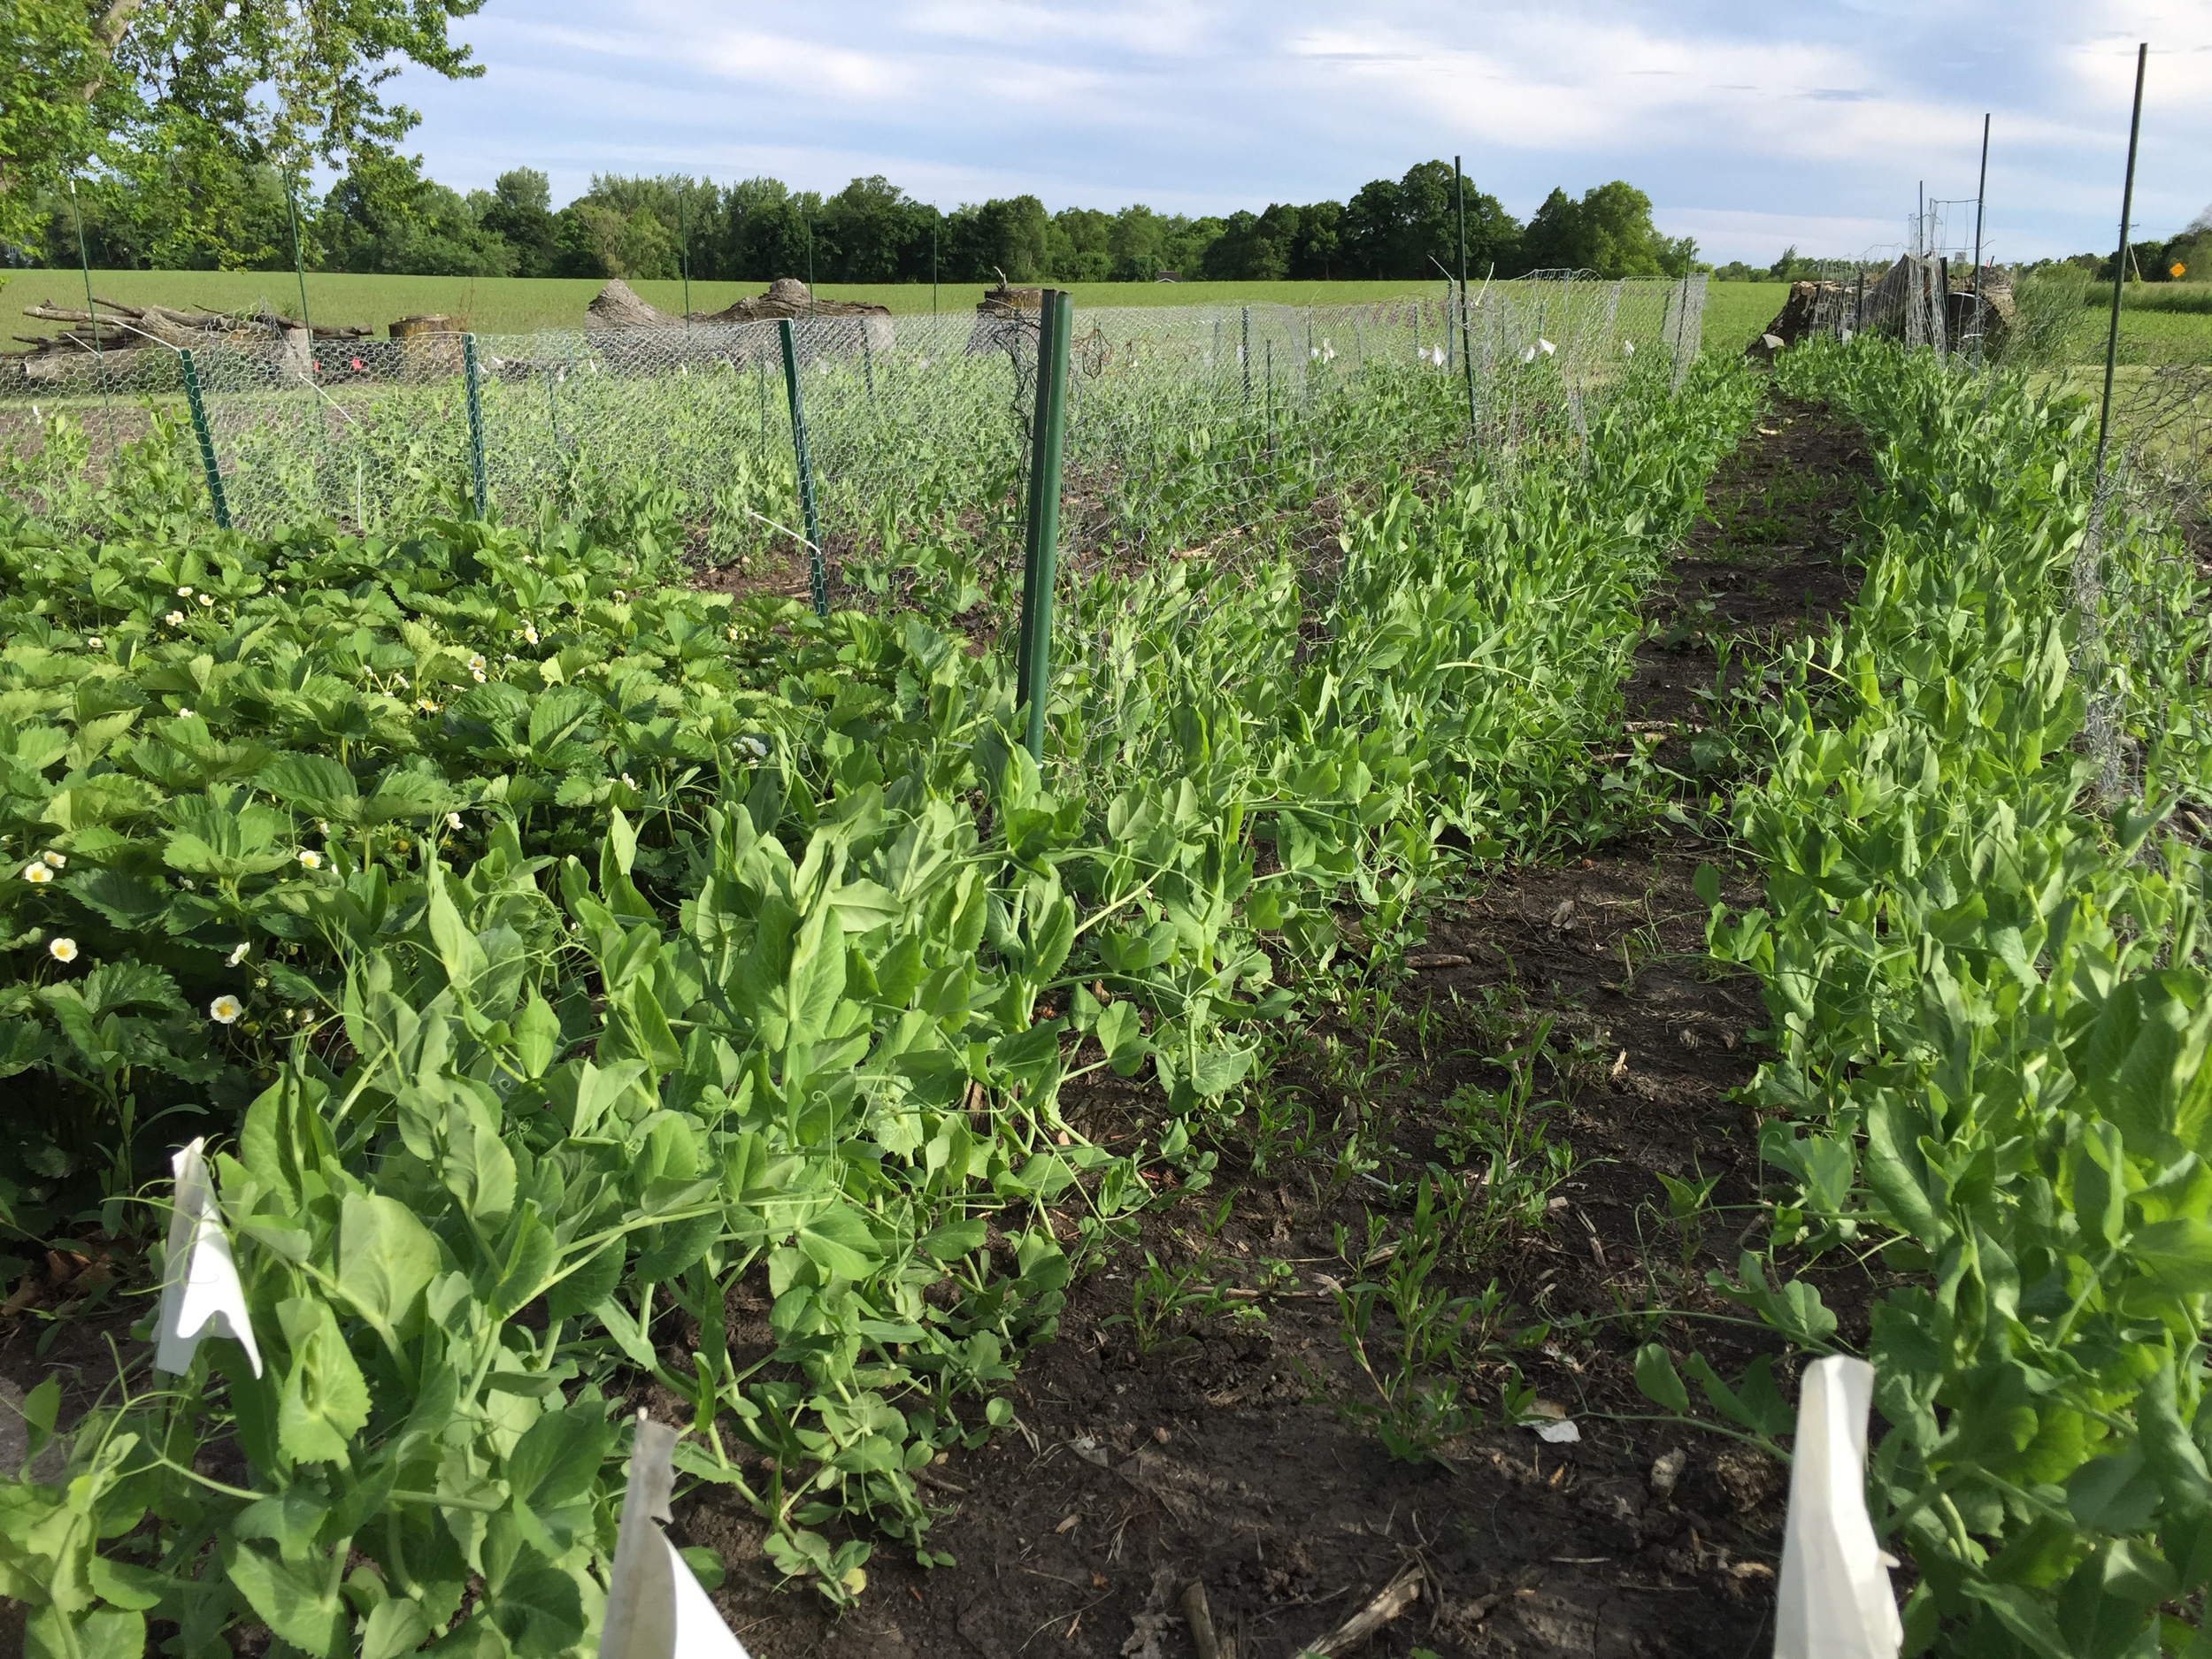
{"points": [[1185, 422]]}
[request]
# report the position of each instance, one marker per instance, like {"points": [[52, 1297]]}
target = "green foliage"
{"points": [[1989, 1002], [760, 953], [198, 93], [1609, 231]]}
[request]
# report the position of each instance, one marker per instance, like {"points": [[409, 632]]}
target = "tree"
{"points": [[384, 216], [129, 87], [1012, 236], [1608, 231], [520, 213], [1371, 228], [1313, 252], [868, 233], [1136, 245], [1082, 250]]}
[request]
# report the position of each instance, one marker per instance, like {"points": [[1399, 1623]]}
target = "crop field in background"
{"points": [[1557, 885], [515, 305]]}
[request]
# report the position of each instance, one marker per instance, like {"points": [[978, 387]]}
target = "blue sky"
{"points": [[1750, 126]]}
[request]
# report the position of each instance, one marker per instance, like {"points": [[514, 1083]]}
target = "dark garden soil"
{"points": [[1221, 1453]]}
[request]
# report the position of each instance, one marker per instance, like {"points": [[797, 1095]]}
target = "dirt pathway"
{"points": [[1214, 1449]]}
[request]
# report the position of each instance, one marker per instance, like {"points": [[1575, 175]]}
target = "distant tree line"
{"points": [[2186, 257], [383, 215]]}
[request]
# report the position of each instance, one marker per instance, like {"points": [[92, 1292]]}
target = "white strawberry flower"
{"points": [[453, 820], [184, 592], [175, 619], [238, 953], [311, 859], [93, 643], [184, 714], [225, 1010], [37, 874], [57, 860], [530, 632], [207, 599], [628, 782], [62, 950]]}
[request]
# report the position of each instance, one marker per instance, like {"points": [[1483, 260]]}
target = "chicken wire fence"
{"points": [[1182, 421]]}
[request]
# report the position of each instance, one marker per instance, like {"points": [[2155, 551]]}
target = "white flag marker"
{"points": [[655, 1607], [1834, 1600], [200, 1292]]}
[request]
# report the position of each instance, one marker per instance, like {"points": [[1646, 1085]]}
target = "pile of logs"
{"points": [[110, 326], [619, 306]]}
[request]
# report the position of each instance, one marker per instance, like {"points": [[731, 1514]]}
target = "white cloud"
{"points": [[1743, 122]]}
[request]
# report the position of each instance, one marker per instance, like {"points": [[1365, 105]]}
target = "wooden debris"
{"points": [[1399, 1595], [1200, 1619], [109, 326]]}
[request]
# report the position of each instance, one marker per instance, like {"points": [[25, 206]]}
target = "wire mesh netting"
{"points": [[1185, 422]]}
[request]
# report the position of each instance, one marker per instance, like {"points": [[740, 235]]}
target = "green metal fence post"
{"points": [[817, 573], [1032, 662], [207, 441], [476, 421], [1244, 354]]}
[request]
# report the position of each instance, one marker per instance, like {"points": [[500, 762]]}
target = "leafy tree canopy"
{"points": [[180, 95]]}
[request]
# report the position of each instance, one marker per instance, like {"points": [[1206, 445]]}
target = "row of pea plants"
{"points": [[756, 964], [1990, 1010]]}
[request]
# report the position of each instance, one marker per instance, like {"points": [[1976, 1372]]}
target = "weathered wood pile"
{"points": [[619, 306], [1883, 301], [110, 326]]}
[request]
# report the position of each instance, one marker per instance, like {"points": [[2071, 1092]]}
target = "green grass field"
{"points": [[2162, 317], [1736, 312], [498, 305]]}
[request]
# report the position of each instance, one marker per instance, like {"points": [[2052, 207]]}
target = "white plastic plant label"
{"points": [[200, 1292], [655, 1607], [1834, 1600]]}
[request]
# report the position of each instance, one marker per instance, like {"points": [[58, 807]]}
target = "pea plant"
{"points": [[1989, 1004]]}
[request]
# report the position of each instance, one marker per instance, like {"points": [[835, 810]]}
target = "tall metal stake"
{"points": [[817, 573], [299, 269], [2119, 264], [1244, 355], [1033, 661], [207, 439], [99, 357], [933, 267], [476, 420], [1466, 356], [683, 249], [1981, 192]]}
